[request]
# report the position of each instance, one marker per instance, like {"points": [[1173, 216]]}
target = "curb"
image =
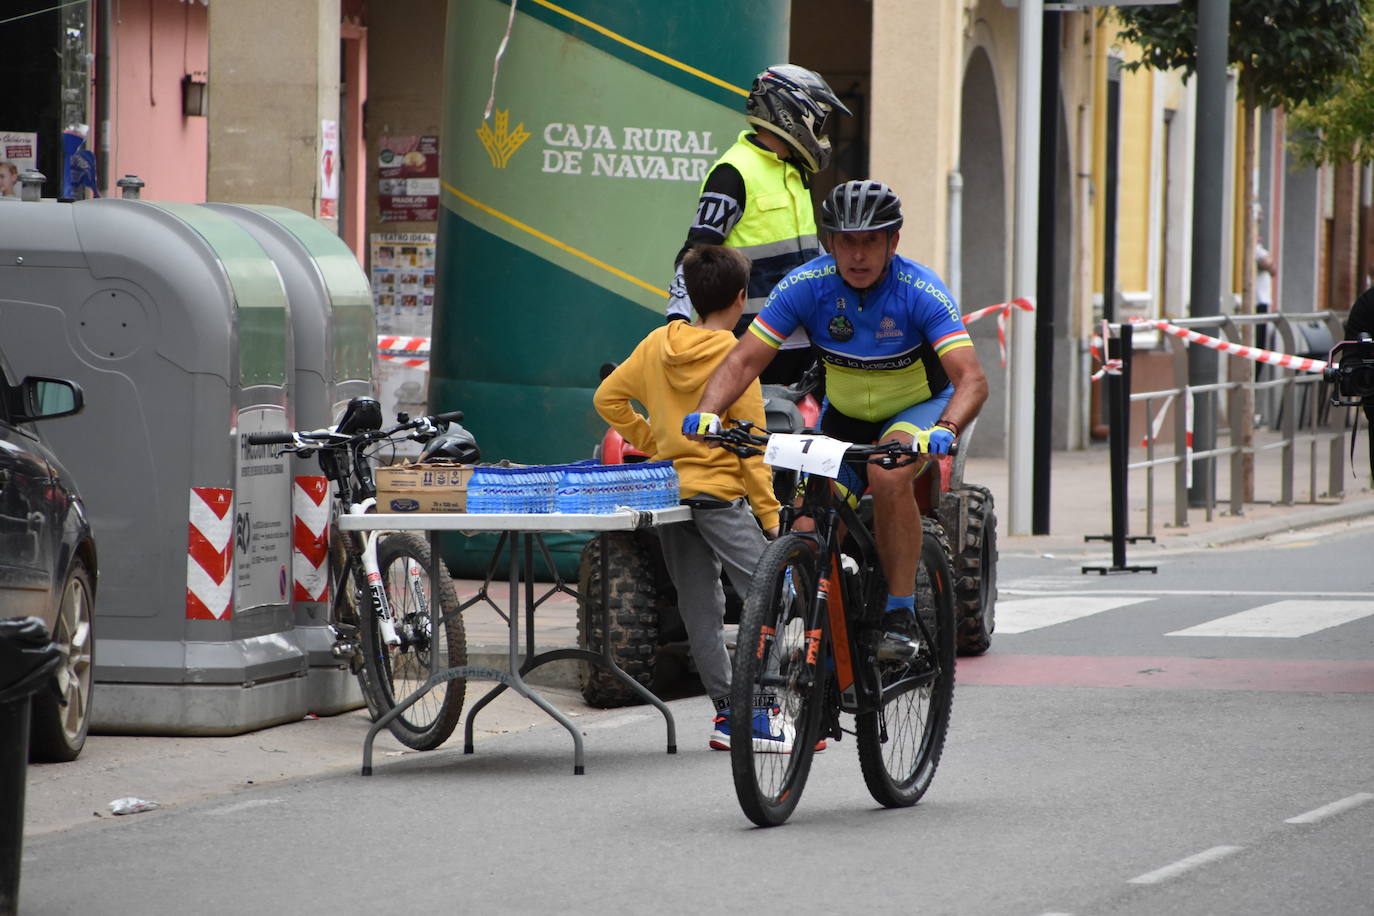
{"points": [[1234, 532]]}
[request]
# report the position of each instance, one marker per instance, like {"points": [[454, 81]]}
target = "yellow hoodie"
{"points": [[667, 373]]}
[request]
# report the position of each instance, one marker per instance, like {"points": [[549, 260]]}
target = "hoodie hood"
{"points": [[692, 353]]}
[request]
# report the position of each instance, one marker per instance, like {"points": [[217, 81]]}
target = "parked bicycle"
{"points": [[379, 584], [810, 645]]}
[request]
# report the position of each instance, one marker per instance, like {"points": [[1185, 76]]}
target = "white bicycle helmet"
{"points": [[795, 104]]}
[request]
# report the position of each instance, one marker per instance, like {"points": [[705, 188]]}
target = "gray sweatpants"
{"points": [[695, 552]]}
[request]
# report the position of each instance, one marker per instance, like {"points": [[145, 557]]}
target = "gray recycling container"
{"points": [[334, 338], [174, 321]]}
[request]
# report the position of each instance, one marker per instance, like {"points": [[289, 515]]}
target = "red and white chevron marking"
{"points": [[310, 538], [408, 351], [210, 555]]}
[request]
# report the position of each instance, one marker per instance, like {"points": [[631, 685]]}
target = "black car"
{"points": [[47, 558]]}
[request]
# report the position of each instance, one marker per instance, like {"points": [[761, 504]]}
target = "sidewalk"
{"points": [[174, 771]]}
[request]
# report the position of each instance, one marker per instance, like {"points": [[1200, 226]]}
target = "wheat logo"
{"points": [[502, 142]]}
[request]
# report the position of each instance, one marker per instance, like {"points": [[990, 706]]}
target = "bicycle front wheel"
{"points": [[900, 742], [776, 694], [396, 668]]}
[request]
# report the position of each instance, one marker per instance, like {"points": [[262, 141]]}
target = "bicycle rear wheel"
{"points": [[900, 743], [396, 671], [775, 697]]}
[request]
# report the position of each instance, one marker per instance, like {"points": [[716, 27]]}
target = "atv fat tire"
{"points": [[975, 571], [633, 616]]}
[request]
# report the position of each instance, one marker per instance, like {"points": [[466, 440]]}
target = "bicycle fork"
{"points": [[373, 571]]}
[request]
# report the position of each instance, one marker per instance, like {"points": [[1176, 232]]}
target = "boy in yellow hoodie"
{"points": [[666, 373]]}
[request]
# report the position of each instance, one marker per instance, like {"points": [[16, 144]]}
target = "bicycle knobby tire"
{"points": [[771, 679], [900, 743], [395, 672]]}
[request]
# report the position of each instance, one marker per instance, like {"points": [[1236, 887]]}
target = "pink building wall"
{"points": [[156, 43]]}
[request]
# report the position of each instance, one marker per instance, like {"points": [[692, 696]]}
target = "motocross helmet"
{"points": [[856, 206], [795, 104], [457, 445]]}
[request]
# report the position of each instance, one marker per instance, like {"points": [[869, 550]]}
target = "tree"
{"points": [[1338, 128], [1288, 53]]}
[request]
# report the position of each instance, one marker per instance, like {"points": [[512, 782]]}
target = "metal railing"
{"points": [[1291, 410]]}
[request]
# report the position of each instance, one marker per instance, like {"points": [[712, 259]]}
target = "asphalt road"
{"points": [[1196, 741]]}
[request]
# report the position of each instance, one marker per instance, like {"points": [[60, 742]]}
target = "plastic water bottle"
{"points": [[479, 492]]}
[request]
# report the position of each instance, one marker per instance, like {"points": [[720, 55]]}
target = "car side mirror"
{"points": [[47, 398]]}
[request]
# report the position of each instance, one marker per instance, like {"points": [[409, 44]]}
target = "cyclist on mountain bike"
{"points": [[899, 364]]}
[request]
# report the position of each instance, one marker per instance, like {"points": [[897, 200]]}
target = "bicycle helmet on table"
{"points": [[858, 206], [795, 104], [457, 445]]}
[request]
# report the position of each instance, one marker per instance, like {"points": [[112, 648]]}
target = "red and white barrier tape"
{"points": [[409, 351], [1287, 361], [1097, 346], [1002, 309]]}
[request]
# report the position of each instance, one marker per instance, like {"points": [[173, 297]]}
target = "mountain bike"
{"points": [[810, 645], [379, 584]]}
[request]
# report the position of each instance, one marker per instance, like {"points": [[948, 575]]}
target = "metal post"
{"points": [[954, 275], [1213, 21], [130, 187], [1113, 153], [1044, 288], [31, 184], [1022, 359], [1119, 412]]}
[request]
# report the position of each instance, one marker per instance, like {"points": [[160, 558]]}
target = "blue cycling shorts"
{"points": [[853, 481]]}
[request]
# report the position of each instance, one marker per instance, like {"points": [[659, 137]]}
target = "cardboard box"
{"points": [[423, 488]]}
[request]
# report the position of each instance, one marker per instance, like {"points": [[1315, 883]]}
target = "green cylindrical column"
{"points": [[563, 210]]}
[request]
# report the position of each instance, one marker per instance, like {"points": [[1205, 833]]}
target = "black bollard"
{"points": [[28, 659], [1119, 420]]}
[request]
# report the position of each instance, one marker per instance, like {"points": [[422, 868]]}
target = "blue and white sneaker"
{"points": [[773, 732]]}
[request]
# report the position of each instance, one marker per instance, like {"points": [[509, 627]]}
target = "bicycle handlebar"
{"points": [[741, 441], [271, 438], [304, 440]]}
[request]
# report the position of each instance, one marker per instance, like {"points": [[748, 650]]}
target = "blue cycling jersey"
{"points": [[881, 346]]}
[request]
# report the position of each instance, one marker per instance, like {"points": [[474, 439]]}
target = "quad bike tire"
{"points": [[975, 565], [631, 617]]}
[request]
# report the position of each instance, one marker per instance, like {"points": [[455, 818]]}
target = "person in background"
{"points": [[667, 373], [757, 198], [1361, 321], [9, 179], [1265, 271]]}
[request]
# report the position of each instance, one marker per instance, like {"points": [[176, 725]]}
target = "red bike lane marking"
{"points": [[1166, 673]]}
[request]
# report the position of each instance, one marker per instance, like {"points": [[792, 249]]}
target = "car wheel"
{"points": [[58, 730]]}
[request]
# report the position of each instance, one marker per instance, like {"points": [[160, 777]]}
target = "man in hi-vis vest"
{"points": [[756, 198]]}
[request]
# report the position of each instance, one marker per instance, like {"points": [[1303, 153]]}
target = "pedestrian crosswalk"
{"points": [[1025, 610], [1283, 619], [1021, 615]]}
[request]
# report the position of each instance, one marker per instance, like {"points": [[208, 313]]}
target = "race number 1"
{"points": [[814, 454]]}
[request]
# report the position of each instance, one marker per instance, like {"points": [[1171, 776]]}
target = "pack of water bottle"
{"points": [[584, 487], [600, 488]]}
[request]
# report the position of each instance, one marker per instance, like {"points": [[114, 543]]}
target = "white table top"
{"points": [[622, 520]]}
